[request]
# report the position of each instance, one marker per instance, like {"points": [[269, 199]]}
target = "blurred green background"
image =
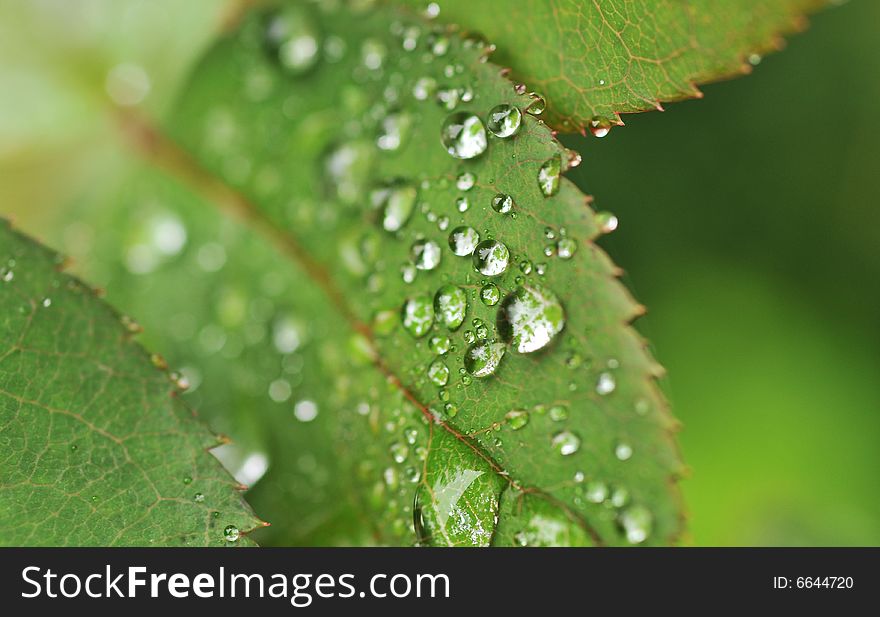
{"points": [[749, 226]]}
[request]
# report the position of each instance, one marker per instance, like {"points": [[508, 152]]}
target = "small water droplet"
{"points": [[530, 317], [305, 410], [425, 254], [397, 201], [199, 497], [525, 266], [395, 130], [606, 222], [373, 54], [548, 176], [465, 181], [623, 452], [462, 204], [438, 373], [231, 533], [597, 491], [558, 413], [399, 451], [491, 258], [482, 359], [439, 345], [600, 126], [502, 203], [293, 39], [450, 304], [566, 443], [566, 248], [463, 240], [537, 106], [636, 522], [606, 384], [463, 135], [490, 294], [451, 410], [504, 120], [47, 302], [517, 419], [424, 88], [418, 315]]}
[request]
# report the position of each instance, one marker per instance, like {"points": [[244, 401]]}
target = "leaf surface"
{"points": [[95, 446], [332, 324], [595, 59]]}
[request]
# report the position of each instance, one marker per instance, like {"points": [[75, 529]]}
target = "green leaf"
{"points": [[593, 60], [95, 446], [329, 336]]}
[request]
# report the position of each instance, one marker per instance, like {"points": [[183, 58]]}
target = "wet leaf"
{"points": [[95, 446], [321, 305], [592, 60]]}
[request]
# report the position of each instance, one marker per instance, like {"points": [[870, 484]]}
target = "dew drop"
{"points": [[438, 373], [636, 522], [397, 202], [597, 491], [600, 126], [483, 358], [305, 410], [504, 120], [47, 302], [566, 443], [490, 294], [462, 204], [606, 384], [465, 181], [623, 452], [463, 135], [399, 451], [491, 258], [530, 317], [517, 419], [231, 533], [424, 88], [425, 254], [418, 315], [537, 106], [293, 39], [502, 203], [606, 222], [566, 248], [199, 497], [439, 345], [450, 304], [558, 413], [463, 240], [548, 176], [395, 130]]}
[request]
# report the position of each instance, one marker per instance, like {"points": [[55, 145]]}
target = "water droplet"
{"points": [[440, 345], [438, 373], [448, 98], [293, 39], [373, 54], [231, 533], [463, 135], [490, 294], [443, 223], [597, 491], [396, 128], [418, 315], [199, 497], [525, 266], [347, 172], [469, 337], [606, 222], [600, 126], [438, 43], [425, 254], [606, 384], [491, 257], [463, 240], [517, 419], [530, 317], [465, 181], [399, 451], [502, 203], [548, 176], [566, 443], [566, 248], [305, 410], [451, 410], [279, 390], [623, 452], [636, 522], [504, 120], [620, 497], [483, 358], [47, 302], [450, 304], [537, 106], [424, 88], [462, 204], [7, 274], [398, 202], [558, 413], [432, 10], [408, 273]]}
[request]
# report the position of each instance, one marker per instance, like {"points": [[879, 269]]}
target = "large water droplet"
{"points": [[463, 135], [463, 240], [450, 304], [418, 315], [548, 176], [293, 38], [425, 254], [530, 317], [483, 358], [504, 120], [231, 533], [465, 181], [502, 203], [566, 443], [491, 257]]}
